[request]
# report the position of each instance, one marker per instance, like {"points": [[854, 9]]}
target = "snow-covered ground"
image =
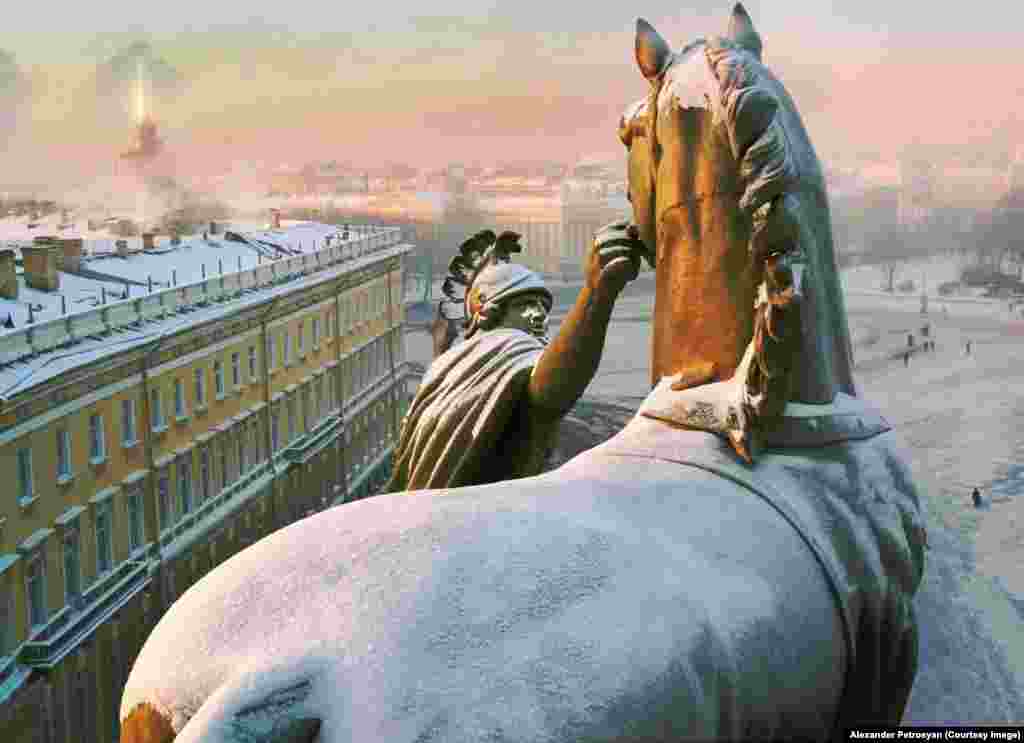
{"points": [[929, 273]]}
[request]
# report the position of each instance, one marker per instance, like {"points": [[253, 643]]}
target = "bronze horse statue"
{"points": [[654, 588]]}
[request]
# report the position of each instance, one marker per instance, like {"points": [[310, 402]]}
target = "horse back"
{"points": [[644, 601]]}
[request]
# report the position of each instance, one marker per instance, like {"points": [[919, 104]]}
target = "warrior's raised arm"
{"points": [[569, 363]]}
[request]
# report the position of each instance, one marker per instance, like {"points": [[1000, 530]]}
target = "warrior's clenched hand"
{"points": [[614, 257]]}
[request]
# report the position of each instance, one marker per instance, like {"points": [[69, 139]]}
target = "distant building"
{"points": [[318, 179], [161, 407], [1015, 174], [456, 179], [916, 194]]}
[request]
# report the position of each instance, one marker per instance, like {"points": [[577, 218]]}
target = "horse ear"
{"points": [[652, 51], [742, 31]]}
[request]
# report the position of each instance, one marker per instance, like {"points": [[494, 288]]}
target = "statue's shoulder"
{"points": [[497, 346]]}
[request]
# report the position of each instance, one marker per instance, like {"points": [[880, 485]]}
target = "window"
{"points": [[300, 339], [35, 589], [218, 379], [240, 451], [331, 323], [163, 499], [156, 412], [291, 418], [6, 622], [179, 399], [199, 384], [63, 455], [97, 441], [72, 565], [304, 402], [204, 474], [104, 556], [224, 472], [128, 434], [316, 332], [236, 370], [271, 351], [252, 363], [275, 430], [254, 441], [26, 484], [185, 484], [318, 409], [286, 348], [133, 505]]}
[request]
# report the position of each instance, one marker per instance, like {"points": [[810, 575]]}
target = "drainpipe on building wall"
{"points": [[339, 389], [150, 510], [268, 439], [391, 358]]}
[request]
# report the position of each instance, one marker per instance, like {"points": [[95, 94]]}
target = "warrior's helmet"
{"points": [[484, 271]]}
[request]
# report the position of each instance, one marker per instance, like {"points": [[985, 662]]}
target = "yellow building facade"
{"points": [[150, 457]]}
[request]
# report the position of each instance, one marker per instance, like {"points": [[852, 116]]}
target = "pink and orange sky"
{"points": [[493, 81]]}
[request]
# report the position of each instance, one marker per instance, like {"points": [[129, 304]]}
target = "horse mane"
{"points": [[748, 109]]}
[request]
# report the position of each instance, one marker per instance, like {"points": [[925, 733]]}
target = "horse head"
{"points": [[722, 175]]}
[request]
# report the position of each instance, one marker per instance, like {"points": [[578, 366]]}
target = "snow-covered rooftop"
{"points": [[236, 247], [87, 317]]}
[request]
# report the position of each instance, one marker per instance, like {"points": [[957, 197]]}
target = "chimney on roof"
{"points": [[275, 219], [147, 240], [40, 263], [70, 256], [8, 275], [122, 248], [213, 228]]}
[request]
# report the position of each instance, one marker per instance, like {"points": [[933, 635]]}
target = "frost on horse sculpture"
{"points": [[654, 588]]}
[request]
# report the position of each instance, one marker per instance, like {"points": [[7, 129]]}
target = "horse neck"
{"points": [[705, 289]]}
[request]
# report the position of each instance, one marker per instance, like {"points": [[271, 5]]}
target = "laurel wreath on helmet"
{"points": [[476, 253]]}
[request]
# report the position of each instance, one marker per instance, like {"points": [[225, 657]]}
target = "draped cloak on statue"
{"points": [[469, 422]]}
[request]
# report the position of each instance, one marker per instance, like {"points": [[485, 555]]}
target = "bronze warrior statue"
{"points": [[488, 407]]}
